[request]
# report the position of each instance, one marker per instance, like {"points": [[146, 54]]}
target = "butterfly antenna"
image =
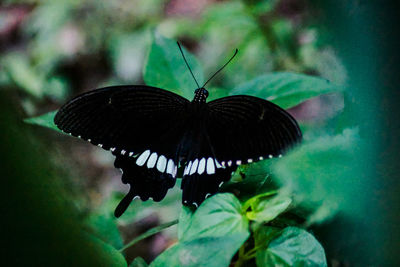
{"points": [[236, 51], [184, 58]]}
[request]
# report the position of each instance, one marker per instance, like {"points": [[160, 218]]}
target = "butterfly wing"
{"points": [[244, 129], [144, 182], [128, 120], [140, 125], [237, 129]]}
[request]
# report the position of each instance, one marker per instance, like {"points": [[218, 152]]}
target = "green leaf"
{"points": [[291, 247], [286, 89], [219, 215], [138, 262], [148, 233], [105, 228], [185, 220], [107, 254], [23, 74], [206, 251], [165, 68], [320, 174], [265, 208], [45, 120], [250, 180]]}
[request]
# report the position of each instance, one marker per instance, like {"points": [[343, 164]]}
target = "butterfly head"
{"points": [[200, 95]]}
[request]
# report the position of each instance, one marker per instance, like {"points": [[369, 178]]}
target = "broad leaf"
{"points": [[105, 228], [219, 215], [291, 247], [165, 68], [185, 221], [286, 89], [107, 253], [206, 251], [267, 208], [45, 120], [250, 180]]}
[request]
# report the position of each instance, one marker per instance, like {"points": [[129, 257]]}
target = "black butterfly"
{"points": [[153, 132]]}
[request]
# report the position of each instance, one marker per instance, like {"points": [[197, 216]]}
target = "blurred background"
{"points": [[50, 51]]}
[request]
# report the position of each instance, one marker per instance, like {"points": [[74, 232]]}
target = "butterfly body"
{"points": [[153, 132]]}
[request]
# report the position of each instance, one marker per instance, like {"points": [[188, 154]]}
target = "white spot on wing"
{"points": [[130, 154], [202, 166], [280, 156], [112, 149], [230, 163], [187, 168], [238, 162], [208, 195], [217, 164], [194, 203], [250, 160], [100, 145], [152, 160], [261, 158], [220, 184], [270, 156], [123, 152], [142, 158], [210, 166], [161, 163], [170, 166], [194, 166]]}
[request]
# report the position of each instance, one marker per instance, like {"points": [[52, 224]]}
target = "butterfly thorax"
{"points": [[200, 95]]}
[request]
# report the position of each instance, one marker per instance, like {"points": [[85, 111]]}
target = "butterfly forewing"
{"points": [[128, 119], [244, 129]]}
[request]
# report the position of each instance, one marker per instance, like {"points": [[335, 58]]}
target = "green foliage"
{"points": [[108, 253], [45, 120], [315, 171], [286, 89], [264, 208], [166, 69], [205, 251], [138, 262], [291, 246]]}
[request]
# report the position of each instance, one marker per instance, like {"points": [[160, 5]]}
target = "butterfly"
{"points": [[153, 132]]}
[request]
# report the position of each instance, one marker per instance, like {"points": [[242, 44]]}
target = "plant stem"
{"points": [[148, 233]]}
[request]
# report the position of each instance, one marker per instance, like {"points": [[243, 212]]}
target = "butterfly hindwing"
{"points": [[144, 182]]}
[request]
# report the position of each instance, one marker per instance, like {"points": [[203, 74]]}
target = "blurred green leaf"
{"points": [[165, 68], [319, 174], [105, 228], [206, 251], [111, 256], [148, 233], [286, 89], [292, 247], [45, 120], [218, 215], [138, 262], [23, 74], [127, 54], [265, 208]]}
